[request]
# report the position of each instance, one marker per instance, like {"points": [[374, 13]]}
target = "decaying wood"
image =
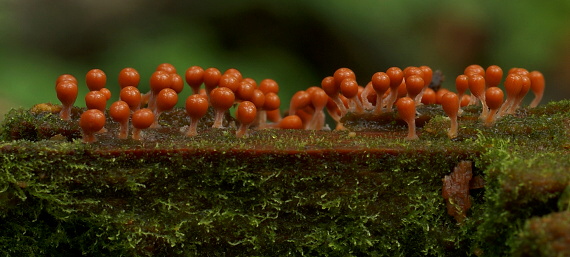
{"points": [[456, 191]]}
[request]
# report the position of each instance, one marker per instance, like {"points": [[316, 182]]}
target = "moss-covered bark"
{"points": [[277, 192]]}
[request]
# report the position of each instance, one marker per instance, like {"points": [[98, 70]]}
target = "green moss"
{"points": [[544, 236], [275, 192], [523, 182], [185, 205]]}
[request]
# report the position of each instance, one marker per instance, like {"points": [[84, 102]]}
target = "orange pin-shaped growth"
{"points": [[396, 77], [291, 122], [349, 88], [461, 85], [195, 77], [493, 76], [477, 87], [141, 119], [380, 83], [165, 101], [513, 85], [450, 104], [106, 92], [368, 96], [234, 72], [251, 81], [428, 96], [427, 77], [211, 79], [407, 111], [439, 95], [474, 69], [67, 94], [328, 84], [129, 77], [494, 98], [537, 86], [525, 87], [245, 90], [196, 108], [340, 75], [268, 85], [414, 85], [91, 121], [258, 99], [96, 100], [230, 80], [271, 103], [428, 74], [65, 77], [176, 83], [166, 67], [300, 100], [245, 114], [319, 99], [222, 99], [120, 112], [132, 96], [159, 80], [95, 79]]}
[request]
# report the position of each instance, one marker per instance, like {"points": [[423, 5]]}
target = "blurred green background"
{"points": [[295, 42]]}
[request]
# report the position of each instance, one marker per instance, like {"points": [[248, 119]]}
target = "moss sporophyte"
{"points": [[256, 183]]}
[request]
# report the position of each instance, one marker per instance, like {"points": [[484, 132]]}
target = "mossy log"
{"points": [[367, 192]]}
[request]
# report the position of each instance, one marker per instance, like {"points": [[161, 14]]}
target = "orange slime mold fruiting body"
{"points": [[450, 103], [246, 113], [141, 119], [66, 93], [222, 99], [494, 98], [196, 108], [120, 112], [129, 77], [91, 121], [407, 111], [194, 78], [256, 104], [537, 86]]}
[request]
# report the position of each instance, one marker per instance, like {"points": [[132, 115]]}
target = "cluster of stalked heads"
{"points": [[338, 94], [256, 104], [484, 87]]}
